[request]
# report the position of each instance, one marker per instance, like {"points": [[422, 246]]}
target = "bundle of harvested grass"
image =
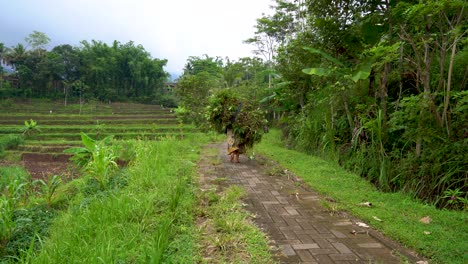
{"points": [[227, 110]]}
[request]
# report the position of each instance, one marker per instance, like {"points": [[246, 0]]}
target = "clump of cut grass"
{"points": [[443, 240]]}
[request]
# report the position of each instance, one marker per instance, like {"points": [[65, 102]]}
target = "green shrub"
{"points": [[10, 141]]}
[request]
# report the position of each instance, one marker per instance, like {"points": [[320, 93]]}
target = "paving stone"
{"points": [[342, 248], [322, 229], [321, 251], [270, 202], [291, 228], [328, 236], [297, 223], [287, 250], [305, 256], [342, 223], [307, 226], [344, 257], [275, 193], [288, 242], [306, 239], [323, 243], [305, 246], [370, 245], [289, 234], [324, 259], [291, 211], [338, 233]]}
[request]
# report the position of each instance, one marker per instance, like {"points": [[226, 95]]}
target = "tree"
{"points": [[386, 83], [2, 55], [15, 56], [38, 41]]}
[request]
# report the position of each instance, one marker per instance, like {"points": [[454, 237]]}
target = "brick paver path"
{"points": [[300, 228]]}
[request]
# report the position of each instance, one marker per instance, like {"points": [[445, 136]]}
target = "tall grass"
{"points": [[14, 182], [145, 222]]}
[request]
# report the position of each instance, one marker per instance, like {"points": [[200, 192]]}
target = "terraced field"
{"points": [[59, 128]]}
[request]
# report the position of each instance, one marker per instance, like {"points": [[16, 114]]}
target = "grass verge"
{"points": [[444, 239]]}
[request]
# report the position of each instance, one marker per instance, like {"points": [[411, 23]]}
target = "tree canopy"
{"points": [[380, 86], [116, 72]]}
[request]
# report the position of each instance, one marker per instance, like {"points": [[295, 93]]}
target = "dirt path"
{"points": [[299, 226]]}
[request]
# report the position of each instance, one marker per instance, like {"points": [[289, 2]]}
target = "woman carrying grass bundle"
{"points": [[242, 121], [235, 148]]}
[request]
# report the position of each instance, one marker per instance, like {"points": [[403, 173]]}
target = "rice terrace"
{"points": [[60, 129]]}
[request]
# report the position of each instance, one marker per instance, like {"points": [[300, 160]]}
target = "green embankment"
{"points": [[444, 239], [59, 126], [149, 220]]}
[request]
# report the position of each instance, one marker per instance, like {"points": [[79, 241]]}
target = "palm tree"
{"points": [[15, 55]]}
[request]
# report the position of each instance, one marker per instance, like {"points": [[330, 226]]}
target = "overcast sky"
{"points": [[168, 29]]}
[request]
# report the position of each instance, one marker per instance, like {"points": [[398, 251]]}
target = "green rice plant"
{"points": [[49, 187], [13, 189], [7, 223], [99, 129], [155, 254], [176, 195]]}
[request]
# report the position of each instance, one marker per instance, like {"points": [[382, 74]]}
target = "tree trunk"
{"points": [[384, 96], [348, 115], [371, 92], [449, 83]]}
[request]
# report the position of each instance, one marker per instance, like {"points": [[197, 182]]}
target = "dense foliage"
{"points": [[380, 86], [116, 72]]}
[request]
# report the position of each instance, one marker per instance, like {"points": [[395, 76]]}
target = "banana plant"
{"points": [[359, 72], [30, 127], [96, 157]]}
